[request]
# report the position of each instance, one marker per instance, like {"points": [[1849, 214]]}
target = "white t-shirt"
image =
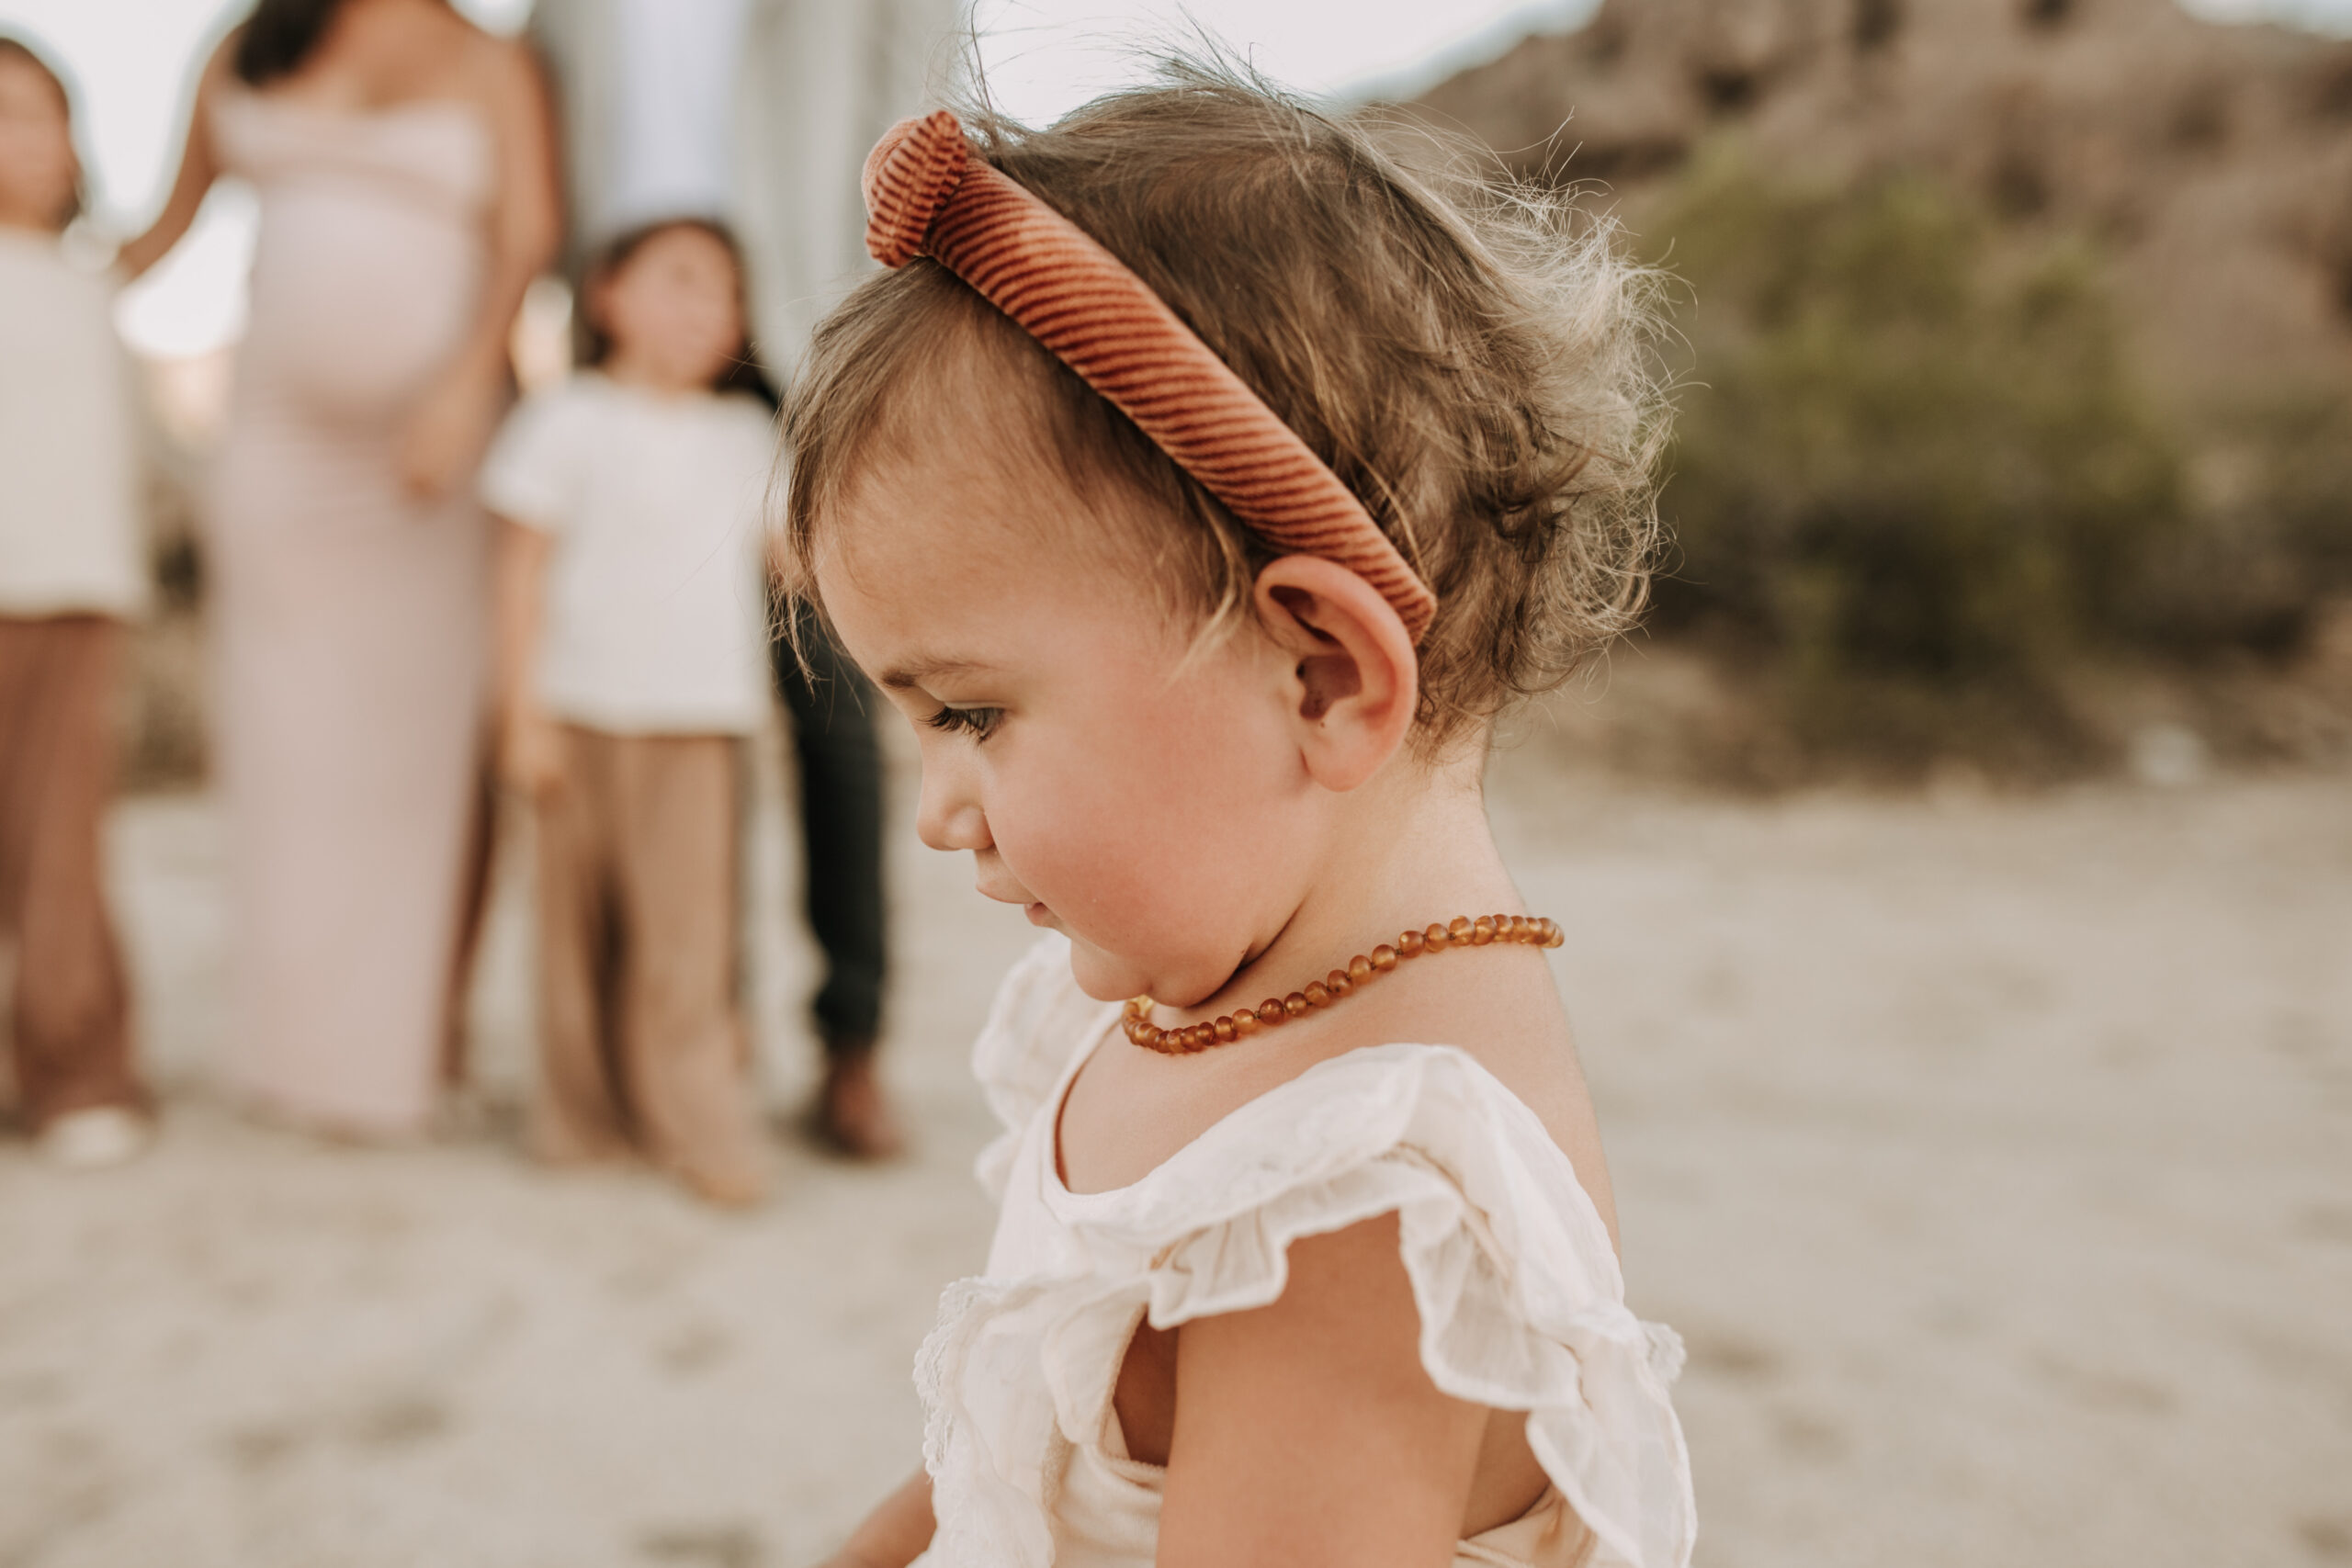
{"points": [[71, 539], [656, 618]]}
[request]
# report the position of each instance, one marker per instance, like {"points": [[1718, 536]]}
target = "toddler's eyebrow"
{"points": [[913, 675]]}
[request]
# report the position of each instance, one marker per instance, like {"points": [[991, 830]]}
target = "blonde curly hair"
{"points": [[1474, 358]]}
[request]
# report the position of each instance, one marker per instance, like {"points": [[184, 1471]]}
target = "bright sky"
{"points": [[134, 59]]}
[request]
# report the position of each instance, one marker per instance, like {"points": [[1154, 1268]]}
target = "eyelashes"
{"points": [[979, 723]]}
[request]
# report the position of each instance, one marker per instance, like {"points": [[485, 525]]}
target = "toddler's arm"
{"points": [[529, 758], [895, 1533], [1307, 1433]]}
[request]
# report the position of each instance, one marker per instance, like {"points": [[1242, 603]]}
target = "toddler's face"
{"points": [[675, 308], [38, 170], [1139, 794]]}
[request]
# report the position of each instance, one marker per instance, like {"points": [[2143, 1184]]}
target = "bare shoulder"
{"points": [[497, 65], [220, 71]]}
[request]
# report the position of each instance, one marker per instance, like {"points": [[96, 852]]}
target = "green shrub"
{"points": [[2270, 542], [1911, 469]]}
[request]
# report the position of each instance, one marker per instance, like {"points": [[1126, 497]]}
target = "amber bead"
{"points": [[1477, 930]]}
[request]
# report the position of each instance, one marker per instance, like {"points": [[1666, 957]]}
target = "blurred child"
{"points": [[72, 573], [1200, 486], [632, 627]]}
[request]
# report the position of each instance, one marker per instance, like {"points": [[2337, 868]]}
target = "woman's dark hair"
{"points": [[13, 47], [279, 36], [592, 344]]}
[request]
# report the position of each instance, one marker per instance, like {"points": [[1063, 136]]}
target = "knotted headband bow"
{"points": [[926, 195]]}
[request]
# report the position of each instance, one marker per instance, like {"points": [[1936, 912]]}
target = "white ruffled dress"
{"points": [[1521, 1303]]}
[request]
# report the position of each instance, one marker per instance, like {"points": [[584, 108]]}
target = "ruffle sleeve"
{"points": [[1520, 1299]]}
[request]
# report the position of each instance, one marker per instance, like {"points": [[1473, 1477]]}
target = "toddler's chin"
{"points": [[1105, 976], [1109, 977]]}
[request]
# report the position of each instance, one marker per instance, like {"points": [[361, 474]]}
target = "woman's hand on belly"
{"points": [[450, 430]]}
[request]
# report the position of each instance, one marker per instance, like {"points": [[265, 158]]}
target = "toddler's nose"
{"points": [[945, 823]]}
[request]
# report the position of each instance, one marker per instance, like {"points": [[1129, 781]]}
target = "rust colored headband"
{"points": [[926, 195]]}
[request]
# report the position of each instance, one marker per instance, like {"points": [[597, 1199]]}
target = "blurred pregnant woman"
{"points": [[407, 194]]}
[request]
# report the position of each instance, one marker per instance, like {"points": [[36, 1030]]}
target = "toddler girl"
{"points": [[72, 573], [632, 627], [1200, 484]]}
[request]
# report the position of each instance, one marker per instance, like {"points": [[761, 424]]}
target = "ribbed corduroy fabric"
{"points": [[928, 196]]}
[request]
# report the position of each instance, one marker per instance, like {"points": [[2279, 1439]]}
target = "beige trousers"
{"points": [[71, 1028], [641, 1035]]}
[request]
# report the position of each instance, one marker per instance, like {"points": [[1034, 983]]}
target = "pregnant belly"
{"points": [[358, 304]]}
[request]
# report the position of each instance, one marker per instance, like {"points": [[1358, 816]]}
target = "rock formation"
{"points": [[2213, 162]]}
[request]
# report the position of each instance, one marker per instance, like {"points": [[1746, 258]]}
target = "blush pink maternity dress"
{"points": [[351, 620]]}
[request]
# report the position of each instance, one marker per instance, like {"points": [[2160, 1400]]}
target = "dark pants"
{"points": [[841, 830]]}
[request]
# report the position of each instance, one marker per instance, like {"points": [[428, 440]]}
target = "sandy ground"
{"points": [[1995, 1157]]}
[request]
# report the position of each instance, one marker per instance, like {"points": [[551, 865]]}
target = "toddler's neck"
{"points": [[1415, 847], [645, 376]]}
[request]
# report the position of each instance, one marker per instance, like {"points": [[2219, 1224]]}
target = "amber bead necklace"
{"points": [[1461, 932]]}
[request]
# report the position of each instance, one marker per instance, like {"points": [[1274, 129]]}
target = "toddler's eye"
{"points": [[979, 723]]}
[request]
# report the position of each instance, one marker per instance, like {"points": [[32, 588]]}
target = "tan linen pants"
{"points": [[642, 1040], [71, 1028]]}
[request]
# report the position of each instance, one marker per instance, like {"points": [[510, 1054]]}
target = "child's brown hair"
{"points": [[1474, 360], [592, 344]]}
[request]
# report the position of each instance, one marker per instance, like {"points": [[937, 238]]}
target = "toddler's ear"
{"points": [[1354, 681]]}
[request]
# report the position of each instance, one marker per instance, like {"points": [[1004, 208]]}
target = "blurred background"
{"points": [[1958, 873]]}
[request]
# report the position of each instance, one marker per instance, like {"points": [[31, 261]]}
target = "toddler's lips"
{"points": [[1002, 894], [1039, 915]]}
